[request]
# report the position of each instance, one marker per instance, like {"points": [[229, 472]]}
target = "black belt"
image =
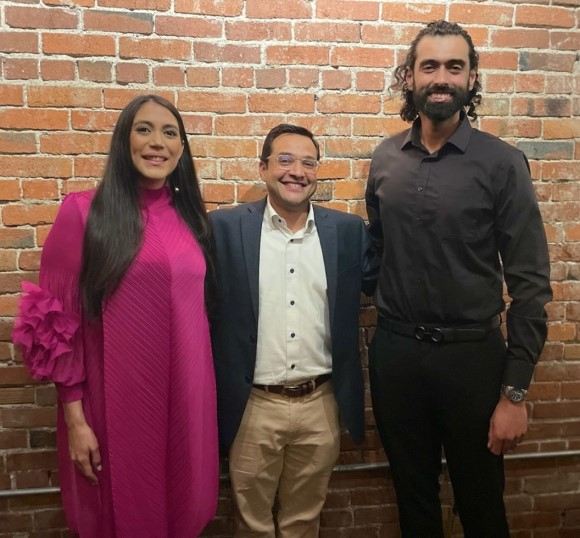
{"points": [[295, 391], [436, 333]]}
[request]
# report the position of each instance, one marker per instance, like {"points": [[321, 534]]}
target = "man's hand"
{"points": [[507, 426]]}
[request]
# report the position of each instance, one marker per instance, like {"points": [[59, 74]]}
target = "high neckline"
{"points": [[151, 197]]}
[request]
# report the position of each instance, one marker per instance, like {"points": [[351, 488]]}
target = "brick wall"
{"points": [[235, 68]]}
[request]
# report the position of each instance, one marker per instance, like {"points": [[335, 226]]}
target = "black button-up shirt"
{"points": [[446, 224]]}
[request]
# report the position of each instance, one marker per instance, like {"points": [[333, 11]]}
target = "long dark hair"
{"points": [[435, 29], [114, 230]]}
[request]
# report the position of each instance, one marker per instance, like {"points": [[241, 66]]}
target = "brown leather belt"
{"points": [[296, 391]]}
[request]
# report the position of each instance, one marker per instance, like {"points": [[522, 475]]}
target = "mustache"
{"points": [[441, 88]]}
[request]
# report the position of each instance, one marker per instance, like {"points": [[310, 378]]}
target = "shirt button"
{"points": [[291, 270], [292, 366], [292, 303], [291, 240], [419, 220], [419, 189], [292, 335]]}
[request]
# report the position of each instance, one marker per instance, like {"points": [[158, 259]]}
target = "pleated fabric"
{"points": [[146, 378]]}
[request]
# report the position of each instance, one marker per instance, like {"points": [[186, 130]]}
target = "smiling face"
{"points": [[441, 78], [155, 143], [290, 190]]}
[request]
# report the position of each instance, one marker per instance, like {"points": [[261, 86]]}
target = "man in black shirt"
{"points": [[451, 211]]}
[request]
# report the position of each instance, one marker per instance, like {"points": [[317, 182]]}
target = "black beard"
{"points": [[440, 111]]}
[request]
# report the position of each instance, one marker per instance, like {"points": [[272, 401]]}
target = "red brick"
{"points": [[13, 438], [270, 78], [19, 42], [20, 69], [128, 72], [95, 71], [364, 126], [33, 166], [157, 49], [7, 263], [414, 12], [188, 26], [345, 9], [66, 97], [20, 395], [509, 127], [40, 189], [530, 106], [222, 148], [89, 166], [281, 103], [561, 128], [564, 40], [547, 61], [359, 148], [529, 82], [219, 192], [93, 120], [13, 215], [231, 8], [353, 103], [274, 9], [250, 193], [237, 77], [169, 75], [228, 53], [498, 60], [480, 14], [78, 45], [29, 260], [381, 34], [57, 70], [520, 38], [11, 95], [349, 190], [118, 22], [499, 83], [561, 83], [13, 522], [74, 144], [26, 118], [10, 189], [25, 417], [303, 77], [240, 170], [11, 142], [550, 17], [117, 99], [36, 18], [327, 32], [370, 81], [203, 77], [336, 79], [243, 30], [195, 124], [362, 56], [297, 54], [190, 101], [16, 238], [154, 5]]}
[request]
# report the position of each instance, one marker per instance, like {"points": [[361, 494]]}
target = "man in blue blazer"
{"points": [[286, 339]]}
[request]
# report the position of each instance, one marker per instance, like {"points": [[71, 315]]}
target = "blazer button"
{"points": [[248, 380], [253, 339]]}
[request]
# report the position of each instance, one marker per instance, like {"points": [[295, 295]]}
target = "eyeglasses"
{"points": [[287, 161]]}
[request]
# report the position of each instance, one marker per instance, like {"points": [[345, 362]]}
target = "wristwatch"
{"points": [[513, 394]]}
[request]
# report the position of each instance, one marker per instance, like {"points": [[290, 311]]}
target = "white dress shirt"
{"points": [[294, 323]]}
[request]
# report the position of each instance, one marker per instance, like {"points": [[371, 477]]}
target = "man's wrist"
{"points": [[513, 394]]}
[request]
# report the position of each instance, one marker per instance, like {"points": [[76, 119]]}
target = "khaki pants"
{"points": [[289, 445]]}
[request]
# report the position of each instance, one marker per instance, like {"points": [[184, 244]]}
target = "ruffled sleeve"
{"points": [[48, 327]]}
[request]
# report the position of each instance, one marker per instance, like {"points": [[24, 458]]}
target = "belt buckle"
{"points": [[435, 335]]}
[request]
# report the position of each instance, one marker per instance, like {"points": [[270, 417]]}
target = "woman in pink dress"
{"points": [[119, 323]]}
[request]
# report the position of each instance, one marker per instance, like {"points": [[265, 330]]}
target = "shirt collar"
{"points": [[276, 222], [460, 138]]}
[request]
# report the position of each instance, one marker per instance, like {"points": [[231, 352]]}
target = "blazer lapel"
{"points": [[251, 235], [326, 228]]}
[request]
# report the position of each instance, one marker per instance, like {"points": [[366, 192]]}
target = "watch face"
{"points": [[516, 395]]}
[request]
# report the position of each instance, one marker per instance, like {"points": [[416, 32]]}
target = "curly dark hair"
{"points": [[435, 29]]}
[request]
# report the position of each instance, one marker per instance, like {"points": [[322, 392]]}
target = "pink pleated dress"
{"points": [[144, 373]]}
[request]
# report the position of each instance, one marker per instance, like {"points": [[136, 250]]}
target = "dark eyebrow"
{"points": [[146, 122], [448, 62]]}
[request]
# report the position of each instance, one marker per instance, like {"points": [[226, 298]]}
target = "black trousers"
{"points": [[431, 395]]}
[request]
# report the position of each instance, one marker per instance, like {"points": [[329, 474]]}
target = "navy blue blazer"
{"points": [[349, 269]]}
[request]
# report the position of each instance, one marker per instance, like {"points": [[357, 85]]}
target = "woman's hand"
{"points": [[82, 443]]}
